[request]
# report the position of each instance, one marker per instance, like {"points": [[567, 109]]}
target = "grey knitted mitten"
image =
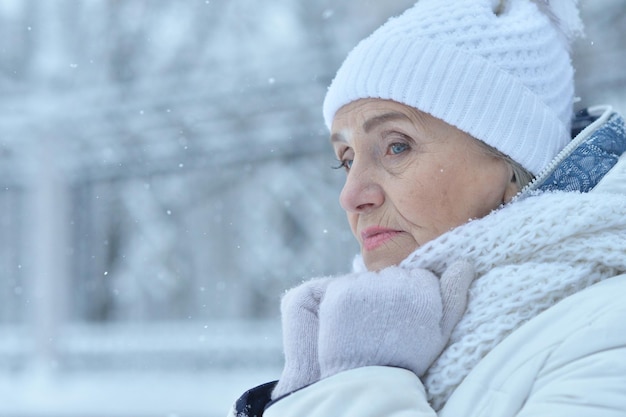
{"points": [[299, 309], [396, 317]]}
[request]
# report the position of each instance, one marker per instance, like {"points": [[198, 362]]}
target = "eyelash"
{"points": [[341, 164]]}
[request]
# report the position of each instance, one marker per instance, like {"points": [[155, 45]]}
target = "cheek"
{"points": [[469, 194], [352, 221], [442, 199], [439, 188], [423, 202], [448, 187]]}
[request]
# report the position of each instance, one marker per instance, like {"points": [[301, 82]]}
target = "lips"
{"points": [[375, 236]]}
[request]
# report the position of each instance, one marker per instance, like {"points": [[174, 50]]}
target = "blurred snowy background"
{"points": [[165, 176]]}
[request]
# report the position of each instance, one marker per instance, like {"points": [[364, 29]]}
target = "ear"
{"points": [[511, 190]]}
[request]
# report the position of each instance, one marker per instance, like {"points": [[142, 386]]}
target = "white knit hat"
{"points": [[499, 70]]}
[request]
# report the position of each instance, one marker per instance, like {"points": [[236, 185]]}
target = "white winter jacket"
{"points": [[565, 359], [568, 361]]}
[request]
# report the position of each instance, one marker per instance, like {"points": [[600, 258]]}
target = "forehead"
{"points": [[367, 124], [363, 109], [365, 115]]}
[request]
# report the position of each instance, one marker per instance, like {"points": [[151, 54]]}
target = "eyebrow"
{"points": [[337, 137], [383, 118], [373, 123]]}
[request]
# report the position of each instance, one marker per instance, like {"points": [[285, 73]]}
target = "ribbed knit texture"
{"points": [[504, 78], [528, 256]]}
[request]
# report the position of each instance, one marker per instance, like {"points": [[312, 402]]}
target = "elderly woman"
{"points": [[493, 246]]}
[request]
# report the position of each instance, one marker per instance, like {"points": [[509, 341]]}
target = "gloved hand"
{"points": [[395, 317], [299, 308]]}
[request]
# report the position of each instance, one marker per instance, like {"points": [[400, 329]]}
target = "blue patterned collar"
{"points": [[600, 139]]}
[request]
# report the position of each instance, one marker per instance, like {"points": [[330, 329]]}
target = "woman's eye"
{"points": [[344, 163], [397, 148]]}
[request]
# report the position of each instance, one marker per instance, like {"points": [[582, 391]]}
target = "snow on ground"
{"points": [[164, 370], [126, 394]]}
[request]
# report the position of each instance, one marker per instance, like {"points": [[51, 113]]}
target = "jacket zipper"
{"points": [[605, 113]]}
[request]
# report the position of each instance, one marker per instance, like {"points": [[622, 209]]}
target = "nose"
{"points": [[362, 192]]}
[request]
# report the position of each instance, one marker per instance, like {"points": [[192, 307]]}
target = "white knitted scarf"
{"points": [[529, 255]]}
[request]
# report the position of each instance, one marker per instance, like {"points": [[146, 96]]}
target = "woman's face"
{"points": [[410, 178]]}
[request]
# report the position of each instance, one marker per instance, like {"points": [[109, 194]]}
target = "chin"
{"points": [[376, 261], [378, 264]]}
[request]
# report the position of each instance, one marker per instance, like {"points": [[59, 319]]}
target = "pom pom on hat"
{"points": [[564, 15], [499, 70]]}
